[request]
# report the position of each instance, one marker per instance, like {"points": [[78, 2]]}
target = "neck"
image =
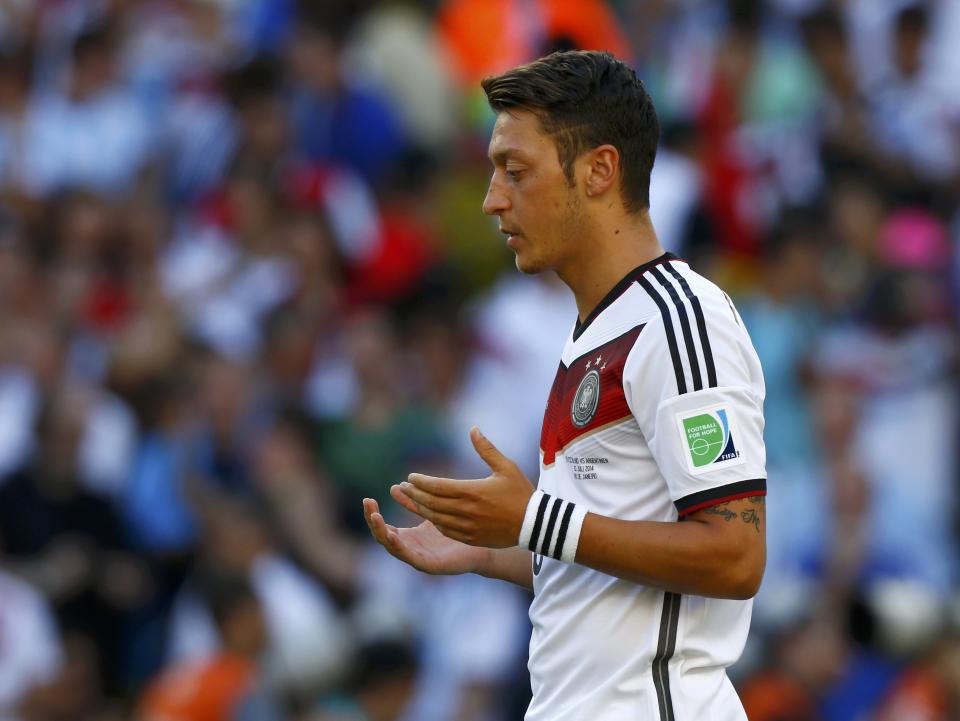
{"points": [[611, 250]]}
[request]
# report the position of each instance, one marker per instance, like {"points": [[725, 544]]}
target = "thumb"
{"points": [[488, 452]]}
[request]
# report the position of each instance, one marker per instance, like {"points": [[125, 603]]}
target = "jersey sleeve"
{"points": [[697, 393]]}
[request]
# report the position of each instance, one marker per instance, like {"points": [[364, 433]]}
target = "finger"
{"points": [[378, 527], [435, 503], [386, 535], [369, 507], [440, 519], [454, 533], [488, 452], [400, 497], [446, 487]]}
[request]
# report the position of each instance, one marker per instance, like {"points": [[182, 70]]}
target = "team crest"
{"points": [[586, 399]]}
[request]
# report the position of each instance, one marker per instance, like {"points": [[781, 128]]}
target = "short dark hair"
{"points": [[224, 592], [913, 18], [585, 99]]}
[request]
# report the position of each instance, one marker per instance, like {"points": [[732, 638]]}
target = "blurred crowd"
{"points": [[245, 282]]}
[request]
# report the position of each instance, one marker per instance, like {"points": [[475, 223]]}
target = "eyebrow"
{"points": [[505, 154]]}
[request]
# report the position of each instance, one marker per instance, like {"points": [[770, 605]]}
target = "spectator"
{"points": [[914, 118], [808, 658], [90, 134], [33, 656], [338, 121], [380, 687], [71, 543], [228, 686], [305, 642]]}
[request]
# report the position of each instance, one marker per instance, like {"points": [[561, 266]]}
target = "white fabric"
{"points": [[222, 292], [308, 642], [676, 186], [19, 404], [101, 143], [529, 518], [108, 446], [595, 637], [30, 652]]}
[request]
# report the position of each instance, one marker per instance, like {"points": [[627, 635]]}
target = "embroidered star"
{"points": [[599, 359], [589, 363], [602, 367]]}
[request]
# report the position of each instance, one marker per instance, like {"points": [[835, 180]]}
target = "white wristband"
{"points": [[551, 527]]}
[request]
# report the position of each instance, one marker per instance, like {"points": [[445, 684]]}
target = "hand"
{"points": [[424, 547], [486, 512]]}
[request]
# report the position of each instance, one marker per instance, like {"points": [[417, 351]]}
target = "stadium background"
{"points": [[245, 281]]}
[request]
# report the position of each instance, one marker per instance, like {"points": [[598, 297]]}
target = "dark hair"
{"points": [[584, 100], [259, 79], [825, 23], [93, 40], [913, 19], [224, 592], [381, 661]]}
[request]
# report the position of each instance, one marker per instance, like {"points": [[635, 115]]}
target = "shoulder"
{"points": [[696, 340], [684, 310], [683, 292]]}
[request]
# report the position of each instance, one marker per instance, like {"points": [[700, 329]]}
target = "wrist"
{"points": [[551, 526], [483, 566]]}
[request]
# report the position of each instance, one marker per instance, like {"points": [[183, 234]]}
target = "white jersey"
{"points": [[656, 412]]}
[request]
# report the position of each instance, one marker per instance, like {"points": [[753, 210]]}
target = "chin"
{"points": [[529, 266]]}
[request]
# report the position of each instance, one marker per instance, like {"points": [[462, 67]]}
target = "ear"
{"points": [[601, 171]]}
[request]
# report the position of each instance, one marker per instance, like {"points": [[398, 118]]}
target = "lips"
{"points": [[512, 237]]}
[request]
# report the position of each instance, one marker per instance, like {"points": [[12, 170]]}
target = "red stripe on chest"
{"points": [[572, 410]]}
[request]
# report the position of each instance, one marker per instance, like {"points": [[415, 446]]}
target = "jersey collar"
{"points": [[618, 290]]}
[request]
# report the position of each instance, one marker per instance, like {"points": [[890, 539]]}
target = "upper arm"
{"points": [[739, 533], [697, 394]]}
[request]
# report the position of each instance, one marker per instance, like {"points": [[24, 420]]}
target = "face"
{"points": [[539, 212]]}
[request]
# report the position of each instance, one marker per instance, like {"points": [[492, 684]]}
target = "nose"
{"points": [[496, 200]]}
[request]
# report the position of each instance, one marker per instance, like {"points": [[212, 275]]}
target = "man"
{"points": [[227, 685], [645, 537]]}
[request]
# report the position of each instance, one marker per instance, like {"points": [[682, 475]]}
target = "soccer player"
{"points": [[643, 541]]}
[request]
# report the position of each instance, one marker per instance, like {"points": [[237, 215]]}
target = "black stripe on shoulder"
{"points": [[668, 329], [722, 494], [684, 327], [701, 324]]}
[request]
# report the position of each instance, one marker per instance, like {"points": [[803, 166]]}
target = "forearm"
{"points": [[509, 564], [692, 557]]}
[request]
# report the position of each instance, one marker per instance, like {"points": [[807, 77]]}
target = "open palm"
{"points": [[423, 546]]}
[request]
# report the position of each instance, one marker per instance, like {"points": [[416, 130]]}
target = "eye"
{"points": [[513, 174]]}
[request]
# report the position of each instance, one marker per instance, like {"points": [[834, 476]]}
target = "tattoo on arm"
{"points": [[722, 510], [749, 516]]}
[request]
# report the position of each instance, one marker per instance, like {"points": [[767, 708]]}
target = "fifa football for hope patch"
{"points": [[708, 436]]}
